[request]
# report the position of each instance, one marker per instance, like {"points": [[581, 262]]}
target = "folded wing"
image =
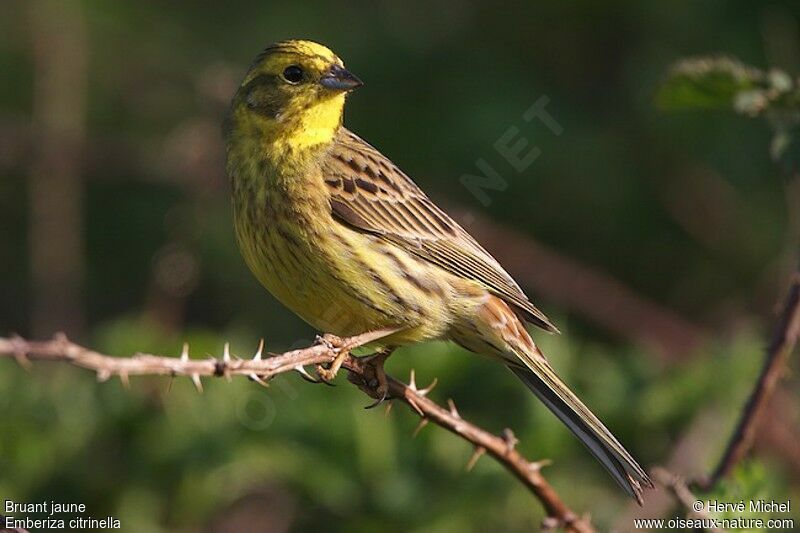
{"points": [[368, 192]]}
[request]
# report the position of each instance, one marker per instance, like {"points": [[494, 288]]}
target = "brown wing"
{"points": [[370, 193]]}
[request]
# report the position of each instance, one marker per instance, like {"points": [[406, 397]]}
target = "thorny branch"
{"points": [[263, 366], [782, 345], [679, 489]]}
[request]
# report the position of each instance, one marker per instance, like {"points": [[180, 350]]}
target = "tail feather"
{"points": [[498, 330], [548, 387]]}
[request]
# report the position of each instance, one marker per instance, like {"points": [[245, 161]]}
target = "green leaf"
{"points": [[712, 83]]}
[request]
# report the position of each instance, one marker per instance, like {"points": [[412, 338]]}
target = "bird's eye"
{"points": [[293, 74]]}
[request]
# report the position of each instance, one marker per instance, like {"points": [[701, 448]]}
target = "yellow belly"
{"points": [[342, 281]]}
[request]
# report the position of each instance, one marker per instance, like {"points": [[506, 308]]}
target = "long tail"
{"points": [[498, 331], [539, 376]]}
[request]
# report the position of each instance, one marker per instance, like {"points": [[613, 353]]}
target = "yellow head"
{"points": [[292, 97]]}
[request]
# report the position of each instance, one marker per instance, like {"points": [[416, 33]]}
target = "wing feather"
{"points": [[370, 193]]}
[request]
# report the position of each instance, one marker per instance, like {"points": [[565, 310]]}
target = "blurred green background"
{"points": [[659, 243]]}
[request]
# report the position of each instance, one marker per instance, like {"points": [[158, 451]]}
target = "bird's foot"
{"points": [[335, 344], [373, 380]]}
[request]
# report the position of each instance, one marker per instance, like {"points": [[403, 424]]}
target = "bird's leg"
{"points": [[377, 381], [334, 343], [342, 349]]}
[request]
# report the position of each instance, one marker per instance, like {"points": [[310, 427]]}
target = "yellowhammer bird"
{"points": [[342, 237]]}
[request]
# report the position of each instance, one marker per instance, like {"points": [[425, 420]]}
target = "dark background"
{"points": [[659, 243]]}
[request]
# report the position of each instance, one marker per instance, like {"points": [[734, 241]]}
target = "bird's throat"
{"points": [[309, 126]]}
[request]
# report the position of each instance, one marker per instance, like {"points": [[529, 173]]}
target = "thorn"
{"points": [[422, 423], [19, 354], [453, 410], [169, 383], [103, 375], [538, 465], [60, 336], [550, 523], [258, 380], [300, 369], [479, 451], [426, 390], [23, 361], [226, 353], [510, 439], [388, 408], [197, 383], [257, 355], [126, 383], [260, 348], [413, 404], [185, 352], [412, 382], [224, 367]]}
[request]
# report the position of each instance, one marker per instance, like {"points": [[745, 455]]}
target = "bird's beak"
{"points": [[340, 79]]}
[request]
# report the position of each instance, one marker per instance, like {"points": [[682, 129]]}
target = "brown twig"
{"points": [[501, 448], [680, 490], [262, 367], [782, 345]]}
